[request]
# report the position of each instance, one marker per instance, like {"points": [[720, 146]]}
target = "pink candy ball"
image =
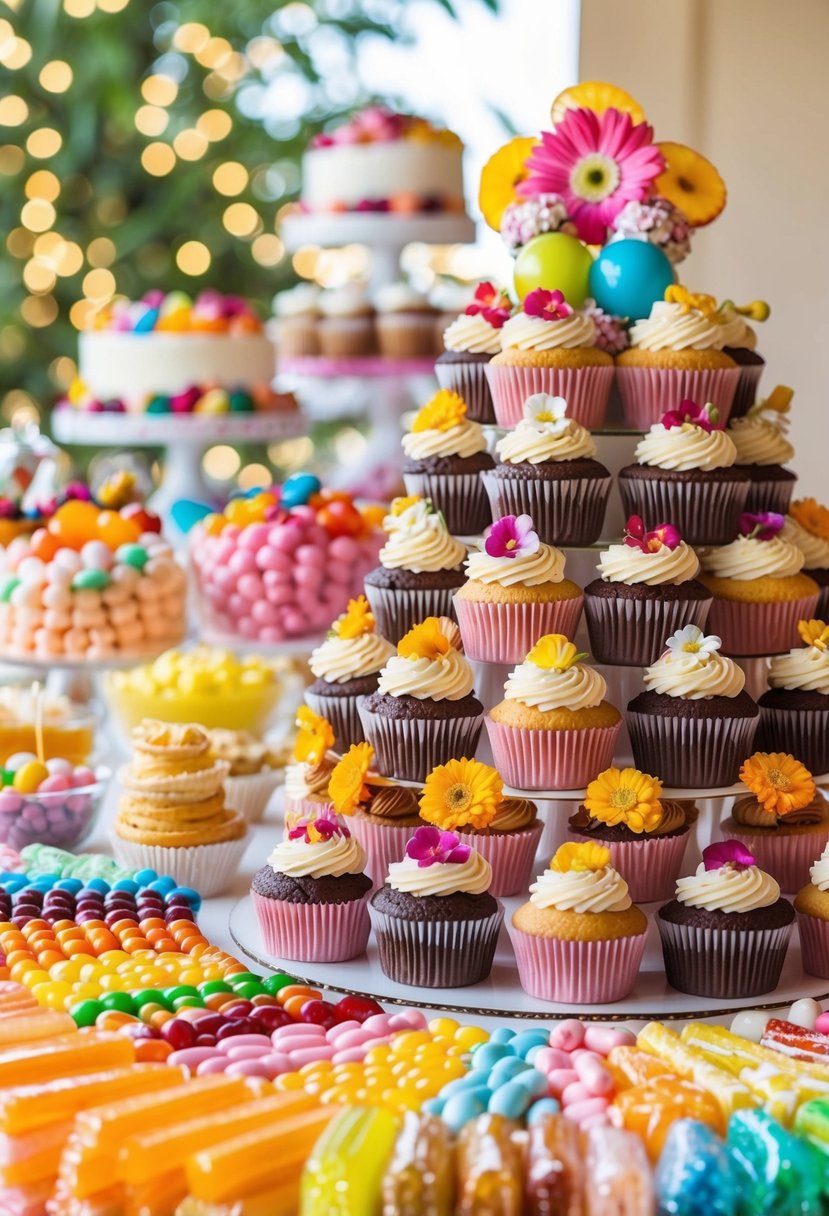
{"points": [[310, 555], [254, 537], [251, 587], [284, 537], [344, 549], [269, 558], [265, 613], [55, 784], [242, 562], [81, 777]]}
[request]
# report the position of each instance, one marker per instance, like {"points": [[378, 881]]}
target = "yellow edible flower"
{"points": [[580, 858], [399, 505], [347, 786], [461, 793], [355, 621], [315, 736], [814, 633], [677, 294], [424, 641], [555, 652], [625, 796], [445, 410]]}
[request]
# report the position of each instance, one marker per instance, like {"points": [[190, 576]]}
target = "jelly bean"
{"points": [[805, 1013], [319, 1012], [574, 1093], [178, 1033], [603, 1039], [560, 1078], [488, 1054], [235, 1042], [215, 1064], [567, 1035], [751, 1023], [503, 1034], [356, 1008], [593, 1074], [579, 1111], [87, 1013], [191, 1057], [548, 1058], [461, 1109], [304, 1055], [506, 1069], [275, 983], [541, 1109], [533, 1081], [511, 1100]]}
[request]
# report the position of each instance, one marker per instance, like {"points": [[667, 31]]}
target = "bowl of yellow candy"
{"points": [[207, 684]]}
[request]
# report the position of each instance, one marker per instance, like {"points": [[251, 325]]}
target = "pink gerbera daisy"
{"points": [[596, 163]]}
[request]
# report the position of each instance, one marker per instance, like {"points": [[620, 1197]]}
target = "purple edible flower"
{"points": [[764, 525], [705, 416], [430, 845], [512, 536], [727, 853]]}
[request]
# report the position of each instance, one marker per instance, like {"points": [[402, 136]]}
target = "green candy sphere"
{"points": [[556, 262], [91, 580], [86, 1013], [133, 555]]}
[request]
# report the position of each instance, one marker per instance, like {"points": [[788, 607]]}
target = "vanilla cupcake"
{"points": [[297, 319], [794, 713], [763, 449], [253, 771], [811, 907], [468, 343], [404, 322], [346, 326], [445, 455], [807, 526]]}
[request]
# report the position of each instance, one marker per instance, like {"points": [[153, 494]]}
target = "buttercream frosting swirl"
{"points": [[425, 544], [749, 557], [685, 447], [513, 815], [673, 327], [465, 439], [819, 872], [736, 332], [581, 891], [308, 780], [547, 688], [446, 678], [472, 877], [339, 659], [630, 564], [759, 442], [393, 802], [322, 859], [472, 335], [534, 333], [694, 676], [805, 668], [728, 889], [546, 565], [532, 443], [814, 548], [750, 813]]}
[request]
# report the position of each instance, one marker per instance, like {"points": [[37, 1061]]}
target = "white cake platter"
{"points": [[501, 996], [376, 228], [369, 367]]}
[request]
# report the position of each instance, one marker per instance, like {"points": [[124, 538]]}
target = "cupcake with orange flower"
{"points": [[425, 710], [646, 834], [549, 347], [346, 666], [580, 938], [783, 819], [794, 712], [807, 526], [308, 774], [675, 353], [469, 342], [446, 453], [467, 797], [763, 449], [554, 729], [759, 588]]}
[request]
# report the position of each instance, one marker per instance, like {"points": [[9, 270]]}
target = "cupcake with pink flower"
{"points": [[549, 347], [470, 341], [514, 594]]}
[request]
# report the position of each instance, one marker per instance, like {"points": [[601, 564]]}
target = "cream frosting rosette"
{"points": [[352, 649], [676, 326], [544, 565], [418, 540], [551, 677], [805, 668], [330, 857], [653, 567], [472, 335], [534, 333], [815, 549], [471, 877], [686, 447], [447, 677], [750, 557], [759, 442], [819, 872], [545, 433], [692, 668], [729, 888]]}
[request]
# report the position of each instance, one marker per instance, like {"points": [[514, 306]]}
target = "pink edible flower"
{"points": [[727, 853], [705, 416], [548, 305], [764, 525], [430, 846], [512, 536], [663, 535]]}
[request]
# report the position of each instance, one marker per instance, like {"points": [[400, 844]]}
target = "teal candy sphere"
{"points": [[556, 262], [298, 489], [628, 277]]}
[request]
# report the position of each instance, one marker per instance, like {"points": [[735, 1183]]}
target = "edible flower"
{"points": [[430, 846], [580, 858], [814, 633], [548, 305], [512, 536], [401, 504], [555, 652], [625, 796], [691, 640], [812, 516], [357, 620], [677, 294], [705, 416], [317, 831], [424, 641], [550, 412], [315, 736], [347, 787], [501, 176], [445, 411], [727, 853], [662, 536], [780, 783], [461, 793], [490, 303], [690, 182], [764, 525]]}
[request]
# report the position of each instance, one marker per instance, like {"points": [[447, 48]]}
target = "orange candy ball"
{"points": [[74, 523], [115, 531]]}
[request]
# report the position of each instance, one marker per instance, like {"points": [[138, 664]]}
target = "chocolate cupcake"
{"points": [[685, 473], [421, 568], [470, 341], [546, 469], [424, 711], [647, 591], [434, 920], [727, 931], [695, 723], [794, 712], [740, 344], [763, 449], [807, 526], [446, 453]]}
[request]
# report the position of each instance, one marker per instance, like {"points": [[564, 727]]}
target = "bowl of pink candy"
{"points": [[50, 802], [282, 563]]}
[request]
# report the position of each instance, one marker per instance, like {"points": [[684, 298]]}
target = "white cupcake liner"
{"points": [[460, 496], [409, 748], [551, 759], [506, 633], [469, 381], [341, 713], [564, 511], [705, 512], [690, 753], [632, 632], [397, 611], [724, 963], [250, 793], [577, 973], [511, 856], [650, 866], [436, 954], [313, 933], [751, 630], [209, 868], [382, 843]]}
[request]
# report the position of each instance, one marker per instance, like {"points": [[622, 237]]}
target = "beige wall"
{"points": [[745, 82]]}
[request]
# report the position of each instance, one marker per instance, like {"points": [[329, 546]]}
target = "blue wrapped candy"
{"points": [[778, 1174], [297, 490], [695, 1175]]}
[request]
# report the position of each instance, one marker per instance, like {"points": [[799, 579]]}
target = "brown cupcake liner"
{"points": [[409, 748], [691, 753], [770, 495], [250, 793], [751, 630], [208, 868], [814, 944], [577, 973], [396, 611], [724, 963], [551, 759], [747, 385], [460, 496], [511, 856], [822, 601], [633, 632], [705, 512], [566, 511], [648, 392], [803, 733], [436, 954], [341, 713], [313, 933], [650, 867], [787, 857], [506, 633], [585, 389], [469, 381]]}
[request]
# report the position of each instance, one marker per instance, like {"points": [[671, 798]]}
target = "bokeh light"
{"points": [[241, 219], [221, 462], [193, 258], [55, 76], [230, 178], [99, 285], [158, 159], [44, 142], [159, 90], [13, 111], [151, 120]]}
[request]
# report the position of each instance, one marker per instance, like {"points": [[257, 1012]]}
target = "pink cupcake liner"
{"points": [[705, 512], [313, 933], [341, 713], [814, 944], [460, 496], [725, 963], [382, 843], [691, 753], [397, 611], [469, 381], [650, 867], [251, 793], [631, 632], [800, 732], [308, 808], [511, 856], [506, 633], [209, 868], [565, 511], [748, 630], [550, 759], [585, 389], [787, 857], [436, 954], [409, 748], [747, 385], [648, 392], [577, 973]]}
